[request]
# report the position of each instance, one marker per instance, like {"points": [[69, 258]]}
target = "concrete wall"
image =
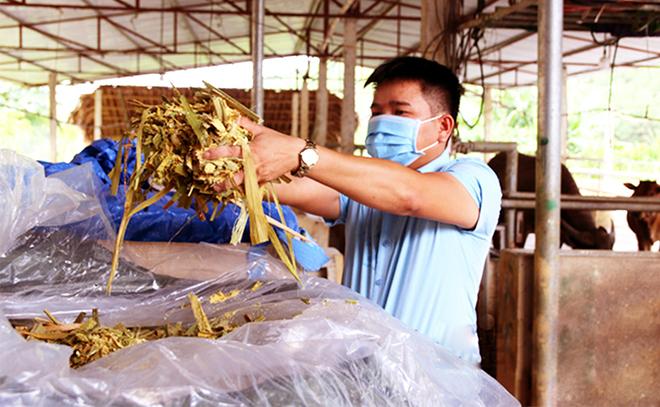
{"points": [[609, 327]]}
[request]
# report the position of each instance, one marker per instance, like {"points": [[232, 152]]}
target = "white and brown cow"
{"points": [[646, 225]]}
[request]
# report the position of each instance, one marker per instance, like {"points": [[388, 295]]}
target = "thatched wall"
{"points": [[118, 109]]}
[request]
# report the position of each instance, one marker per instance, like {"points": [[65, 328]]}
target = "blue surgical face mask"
{"points": [[394, 138]]}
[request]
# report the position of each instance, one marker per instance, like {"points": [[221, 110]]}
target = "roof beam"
{"points": [[20, 60], [134, 51], [484, 19], [291, 31], [369, 27], [124, 30], [622, 46], [191, 9], [193, 34], [576, 51], [307, 26], [65, 42], [217, 34], [333, 24], [503, 44]]}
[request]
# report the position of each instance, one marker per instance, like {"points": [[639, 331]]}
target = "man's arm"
{"points": [[380, 184], [393, 188], [309, 196]]}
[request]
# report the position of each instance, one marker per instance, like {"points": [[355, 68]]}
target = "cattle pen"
{"points": [[603, 298], [513, 199]]}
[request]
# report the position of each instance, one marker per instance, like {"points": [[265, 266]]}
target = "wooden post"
{"points": [[304, 110], [320, 133], [257, 49], [98, 113], [348, 120], [435, 33], [564, 114], [295, 112], [488, 118], [52, 85]]}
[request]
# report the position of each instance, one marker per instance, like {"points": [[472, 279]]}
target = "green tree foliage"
{"points": [[513, 117], [633, 100], [24, 113]]}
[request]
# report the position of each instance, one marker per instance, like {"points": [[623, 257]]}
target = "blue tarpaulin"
{"points": [[154, 224]]}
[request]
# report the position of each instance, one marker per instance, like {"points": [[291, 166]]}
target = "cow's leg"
{"points": [[654, 227], [644, 245]]}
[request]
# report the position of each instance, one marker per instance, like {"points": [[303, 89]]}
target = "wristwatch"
{"points": [[308, 157]]}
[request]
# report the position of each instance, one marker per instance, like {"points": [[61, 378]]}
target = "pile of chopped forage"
{"points": [[91, 341], [172, 138]]}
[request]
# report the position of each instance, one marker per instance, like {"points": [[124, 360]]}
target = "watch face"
{"points": [[309, 156]]}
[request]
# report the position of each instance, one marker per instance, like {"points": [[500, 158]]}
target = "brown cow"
{"points": [[578, 228], [646, 225]]}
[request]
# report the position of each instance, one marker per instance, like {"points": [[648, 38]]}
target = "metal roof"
{"points": [[86, 40]]}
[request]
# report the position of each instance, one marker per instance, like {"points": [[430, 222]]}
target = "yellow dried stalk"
{"points": [[91, 340], [173, 137], [203, 323], [222, 297], [253, 195]]}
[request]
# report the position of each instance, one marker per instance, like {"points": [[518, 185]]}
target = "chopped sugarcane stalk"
{"points": [[259, 225]]}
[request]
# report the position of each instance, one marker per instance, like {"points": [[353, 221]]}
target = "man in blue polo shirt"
{"points": [[418, 223]]}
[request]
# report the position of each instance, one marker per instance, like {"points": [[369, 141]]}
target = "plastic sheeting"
{"points": [[329, 352]]}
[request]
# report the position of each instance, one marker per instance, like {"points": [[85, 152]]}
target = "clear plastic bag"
{"points": [[28, 199], [313, 348]]}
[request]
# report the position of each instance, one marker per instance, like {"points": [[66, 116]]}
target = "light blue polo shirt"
{"points": [[426, 273]]}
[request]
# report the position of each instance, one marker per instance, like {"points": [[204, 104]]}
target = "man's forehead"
{"points": [[392, 103], [401, 83], [398, 94]]}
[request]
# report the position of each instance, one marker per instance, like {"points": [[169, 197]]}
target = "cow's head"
{"points": [[645, 188], [595, 239], [643, 223]]}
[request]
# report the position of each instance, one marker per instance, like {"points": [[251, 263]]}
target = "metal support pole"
{"points": [[527, 200], [257, 45], [548, 192]]}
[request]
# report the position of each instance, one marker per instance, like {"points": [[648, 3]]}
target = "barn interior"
{"points": [[557, 327]]}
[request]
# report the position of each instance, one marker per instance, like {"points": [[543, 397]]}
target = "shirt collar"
{"points": [[438, 163]]}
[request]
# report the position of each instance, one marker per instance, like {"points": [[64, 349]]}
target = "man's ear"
{"points": [[446, 127]]}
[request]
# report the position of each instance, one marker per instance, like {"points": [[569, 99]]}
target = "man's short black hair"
{"points": [[440, 86]]}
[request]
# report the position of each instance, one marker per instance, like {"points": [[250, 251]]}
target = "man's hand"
{"points": [[275, 154], [226, 151]]}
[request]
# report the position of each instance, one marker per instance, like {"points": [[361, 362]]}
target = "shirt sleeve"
{"points": [[343, 207], [484, 188]]}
